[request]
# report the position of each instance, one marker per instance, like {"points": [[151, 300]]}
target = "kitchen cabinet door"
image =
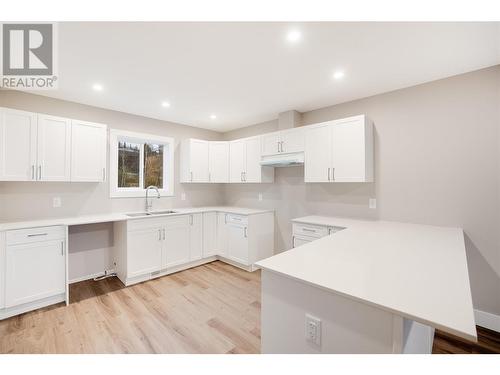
{"points": [[144, 251], [292, 140], [34, 271], [237, 243], [237, 160], [88, 151], [17, 145], [221, 234], [253, 170], [199, 160], [195, 237], [270, 144], [349, 151], [176, 241], [218, 156], [54, 148], [318, 154], [209, 234]]}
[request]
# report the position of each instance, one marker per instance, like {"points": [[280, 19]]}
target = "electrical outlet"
{"points": [[372, 203], [56, 202], [313, 330], [183, 196], [260, 197]]}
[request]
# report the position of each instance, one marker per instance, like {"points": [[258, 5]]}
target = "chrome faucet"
{"points": [[149, 203]]}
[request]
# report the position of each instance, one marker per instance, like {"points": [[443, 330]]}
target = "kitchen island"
{"points": [[373, 287]]}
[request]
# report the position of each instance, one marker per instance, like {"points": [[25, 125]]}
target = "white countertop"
{"points": [[102, 218], [416, 271]]}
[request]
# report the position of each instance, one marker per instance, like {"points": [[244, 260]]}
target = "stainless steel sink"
{"points": [[139, 214], [162, 212]]}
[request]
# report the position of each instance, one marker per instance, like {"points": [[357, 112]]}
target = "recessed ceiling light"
{"points": [[294, 36], [97, 87], [165, 104], [213, 117], [338, 75]]}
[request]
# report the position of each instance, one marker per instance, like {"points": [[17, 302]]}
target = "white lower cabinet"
{"points": [[144, 247], [176, 241], [303, 233], [156, 246], [209, 234], [195, 236], [237, 243], [245, 240], [221, 233], [35, 265]]}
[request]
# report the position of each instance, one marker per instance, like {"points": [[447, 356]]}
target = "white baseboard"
{"points": [[487, 320], [88, 277]]}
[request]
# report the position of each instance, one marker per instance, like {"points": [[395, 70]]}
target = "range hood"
{"points": [[283, 160]]}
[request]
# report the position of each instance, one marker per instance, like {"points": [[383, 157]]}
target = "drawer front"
{"points": [[22, 236], [315, 231], [236, 219]]}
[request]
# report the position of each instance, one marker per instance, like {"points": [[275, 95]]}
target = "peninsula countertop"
{"points": [[415, 271]]}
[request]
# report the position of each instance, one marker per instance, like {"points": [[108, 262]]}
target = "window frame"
{"points": [[116, 135]]}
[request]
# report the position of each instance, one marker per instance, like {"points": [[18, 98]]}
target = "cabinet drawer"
{"points": [[316, 231], [236, 219], [35, 235]]}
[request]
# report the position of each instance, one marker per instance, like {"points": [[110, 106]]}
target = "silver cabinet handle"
{"points": [[104, 174], [245, 232], [40, 172], [32, 172], [191, 176], [309, 230], [62, 248], [190, 219], [281, 143], [159, 234], [37, 234], [244, 176], [328, 173], [278, 144], [164, 234], [333, 174], [225, 218], [241, 176]]}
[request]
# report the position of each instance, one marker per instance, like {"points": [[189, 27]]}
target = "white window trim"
{"points": [[168, 164]]}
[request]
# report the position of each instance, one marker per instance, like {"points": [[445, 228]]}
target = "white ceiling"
{"points": [[247, 73]]}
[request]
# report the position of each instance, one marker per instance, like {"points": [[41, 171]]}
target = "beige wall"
{"points": [[34, 200], [437, 162]]}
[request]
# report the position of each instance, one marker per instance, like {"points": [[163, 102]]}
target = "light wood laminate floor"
{"points": [[214, 308]]}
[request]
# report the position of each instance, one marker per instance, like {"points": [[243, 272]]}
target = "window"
{"points": [[138, 161]]}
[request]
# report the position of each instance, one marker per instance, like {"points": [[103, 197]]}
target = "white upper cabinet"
{"points": [[318, 158], [352, 150], [271, 143], [292, 140], [218, 162], [194, 160], [17, 145], [88, 151], [38, 147], [244, 162], [283, 142], [54, 148], [339, 151], [237, 160]]}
